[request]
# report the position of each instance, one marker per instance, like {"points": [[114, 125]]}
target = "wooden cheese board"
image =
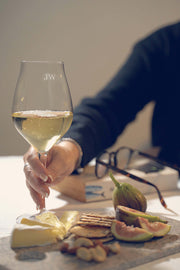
{"points": [[49, 257]]}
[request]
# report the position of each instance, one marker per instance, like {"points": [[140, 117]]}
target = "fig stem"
{"points": [[116, 183]]}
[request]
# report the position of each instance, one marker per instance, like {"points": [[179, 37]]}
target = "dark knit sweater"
{"points": [[151, 73]]}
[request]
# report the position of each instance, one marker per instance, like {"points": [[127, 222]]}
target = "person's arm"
{"points": [[99, 120]]}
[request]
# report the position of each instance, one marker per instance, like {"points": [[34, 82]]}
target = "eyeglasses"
{"points": [[126, 158]]}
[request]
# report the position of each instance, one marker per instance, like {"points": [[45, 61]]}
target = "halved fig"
{"points": [[129, 233], [158, 229], [129, 215]]}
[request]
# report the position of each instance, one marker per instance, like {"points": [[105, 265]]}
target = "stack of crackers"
{"points": [[94, 226]]}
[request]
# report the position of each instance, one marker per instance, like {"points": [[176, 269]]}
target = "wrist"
{"points": [[76, 148]]}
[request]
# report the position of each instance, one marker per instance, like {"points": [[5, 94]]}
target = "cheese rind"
{"points": [[42, 229], [46, 219], [27, 236]]}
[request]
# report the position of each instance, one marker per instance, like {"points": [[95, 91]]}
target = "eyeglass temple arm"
{"points": [[165, 163], [137, 178]]}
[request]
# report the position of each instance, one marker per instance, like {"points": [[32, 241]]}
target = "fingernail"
{"points": [[50, 178], [44, 177], [37, 207], [46, 195]]}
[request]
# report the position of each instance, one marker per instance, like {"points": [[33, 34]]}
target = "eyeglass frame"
{"points": [[130, 175], [132, 151]]}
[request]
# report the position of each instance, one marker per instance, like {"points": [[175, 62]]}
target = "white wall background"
{"points": [[92, 37]]}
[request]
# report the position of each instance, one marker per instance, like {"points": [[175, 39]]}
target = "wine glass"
{"points": [[42, 109]]}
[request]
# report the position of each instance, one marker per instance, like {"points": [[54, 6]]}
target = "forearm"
{"points": [[98, 121]]}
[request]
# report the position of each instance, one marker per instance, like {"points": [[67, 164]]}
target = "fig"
{"points": [[127, 195], [129, 233], [129, 215], [158, 229]]}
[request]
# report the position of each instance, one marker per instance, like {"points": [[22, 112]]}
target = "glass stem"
{"points": [[43, 161]]}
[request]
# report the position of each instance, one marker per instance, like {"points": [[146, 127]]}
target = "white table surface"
{"points": [[15, 201]]}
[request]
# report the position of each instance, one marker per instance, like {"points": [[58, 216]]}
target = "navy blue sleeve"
{"points": [[99, 120]]}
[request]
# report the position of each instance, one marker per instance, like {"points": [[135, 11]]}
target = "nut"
{"points": [[83, 242], [84, 254], [115, 247], [98, 254], [105, 247]]}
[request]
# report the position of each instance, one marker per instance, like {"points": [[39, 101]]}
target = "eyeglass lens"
{"points": [[123, 158], [101, 169], [128, 159]]}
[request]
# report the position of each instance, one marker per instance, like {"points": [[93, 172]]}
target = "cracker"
{"points": [[90, 231], [95, 215], [93, 223], [96, 220]]}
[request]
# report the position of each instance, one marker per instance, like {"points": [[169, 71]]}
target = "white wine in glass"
{"points": [[42, 109]]}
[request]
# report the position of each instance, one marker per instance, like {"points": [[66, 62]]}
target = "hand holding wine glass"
{"points": [[42, 106]]}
